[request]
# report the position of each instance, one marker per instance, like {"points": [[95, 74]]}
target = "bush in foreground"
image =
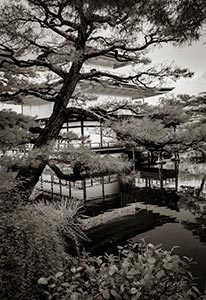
{"points": [[33, 244], [138, 272]]}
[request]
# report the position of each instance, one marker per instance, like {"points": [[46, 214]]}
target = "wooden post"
{"points": [[84, 190], [103, 191], [70, 189], [176, 171], [101, 135], [60, 188], [161, 172], [67, 142]]}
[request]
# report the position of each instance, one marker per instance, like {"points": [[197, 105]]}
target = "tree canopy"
{"points": [[175, 124], [49, 38], [46, 47]]}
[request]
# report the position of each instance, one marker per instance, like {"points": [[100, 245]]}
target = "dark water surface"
{"points": [[168, 219], [174, 234]]}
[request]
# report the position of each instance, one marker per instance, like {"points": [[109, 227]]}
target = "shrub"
{"points": [[32, 245], [138, 272], [64, 216]]}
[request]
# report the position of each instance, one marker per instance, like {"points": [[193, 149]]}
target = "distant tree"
{"points": [[14, 133], [168, 126], [14, 130], [195, 107], [54, 39]]}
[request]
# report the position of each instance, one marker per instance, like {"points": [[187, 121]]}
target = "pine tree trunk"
{"points": [[28, 175]]}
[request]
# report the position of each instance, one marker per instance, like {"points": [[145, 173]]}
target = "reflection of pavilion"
{"points": [[158, 177]]}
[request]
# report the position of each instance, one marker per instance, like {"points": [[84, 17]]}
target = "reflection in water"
{"points": [[176, 234], [162, 217]]}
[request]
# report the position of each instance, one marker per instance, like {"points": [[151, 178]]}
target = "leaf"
{"points": [[74, 296], [160, 274], [52, 286], [196, 290], [125, 263], [65, 284], [133, 290], [106, 294], [59, 274], [168, 266], [43, 281], [115, 295], [112, 270], [73, 270], [152, 260], [136, 296], [122, 288], [120, 247]]}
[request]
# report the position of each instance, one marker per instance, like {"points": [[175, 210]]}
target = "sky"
{"points": [[192, 57]]}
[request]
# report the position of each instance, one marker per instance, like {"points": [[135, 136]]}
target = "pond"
{"points": [[169, 219]]}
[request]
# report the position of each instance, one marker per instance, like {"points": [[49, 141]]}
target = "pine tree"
{"points": [[53, 40]]}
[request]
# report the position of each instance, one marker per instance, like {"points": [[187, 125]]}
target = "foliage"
{"points": [[151, 135], [44, 47], [86, 161], [38, 38], [175, 124], [138, 272], [170, 111], [6, 180], [196, 107], [14, 129], [33, 243], [64, 216]]}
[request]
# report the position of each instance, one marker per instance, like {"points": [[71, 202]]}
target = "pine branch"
{"points": [[7, 57], [115, 46]]}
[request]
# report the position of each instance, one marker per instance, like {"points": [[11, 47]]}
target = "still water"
{"points": [[170, 220]]}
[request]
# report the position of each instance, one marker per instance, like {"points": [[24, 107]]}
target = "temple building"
{"points": [[96, 92]]}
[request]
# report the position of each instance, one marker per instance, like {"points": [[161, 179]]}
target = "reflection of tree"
{"points": [[168, 199], [198, 209]]}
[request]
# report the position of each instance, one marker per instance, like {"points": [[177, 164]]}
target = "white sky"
{"points": [[192, 57]]}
